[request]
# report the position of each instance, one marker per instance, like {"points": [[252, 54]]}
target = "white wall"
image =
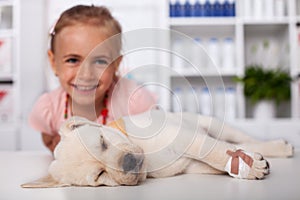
{"points": [[33, 60]]}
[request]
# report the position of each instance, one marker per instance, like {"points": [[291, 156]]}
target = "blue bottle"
{"points": [[207, 9], [172, 8], [179, 9], [187, 9], [226, 9], [231, 8], [201, 9], [217, 9], [196, 9]]}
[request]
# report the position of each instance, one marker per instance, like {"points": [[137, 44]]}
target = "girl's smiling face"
{"points": [[83, 63]]}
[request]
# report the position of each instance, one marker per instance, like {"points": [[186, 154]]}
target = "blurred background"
{"points": [[237, 60]]}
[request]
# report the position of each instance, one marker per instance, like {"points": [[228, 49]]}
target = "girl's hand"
{"points": [[50, 141]]}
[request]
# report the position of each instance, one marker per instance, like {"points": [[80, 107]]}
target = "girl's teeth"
{"points": [[85, 87]]}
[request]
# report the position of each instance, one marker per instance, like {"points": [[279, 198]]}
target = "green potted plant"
{"points": [[265, 86]]}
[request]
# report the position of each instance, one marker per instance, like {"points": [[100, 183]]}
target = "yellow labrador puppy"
{"points": [[155, 144]]}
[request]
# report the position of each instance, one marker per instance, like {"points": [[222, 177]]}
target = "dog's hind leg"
{"points": [[273, 148], [222, 131]]}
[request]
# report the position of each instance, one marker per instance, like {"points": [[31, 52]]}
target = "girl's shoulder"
{"points": [[54, 94], [52, 98], [47, 112]]}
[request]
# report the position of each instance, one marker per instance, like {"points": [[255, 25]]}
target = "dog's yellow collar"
{"points": [[120, 125]]}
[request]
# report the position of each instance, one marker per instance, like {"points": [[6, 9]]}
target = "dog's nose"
{"points": [[132, 162]]}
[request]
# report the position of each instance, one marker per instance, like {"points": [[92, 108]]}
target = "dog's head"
{"points": [[90, 154]]}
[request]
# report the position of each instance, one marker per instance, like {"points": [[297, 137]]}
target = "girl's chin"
{"points": [[80, 93], [84, 98]]}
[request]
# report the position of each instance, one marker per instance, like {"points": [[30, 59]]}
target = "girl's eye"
{"points": [[72, 60], [101, 62]]}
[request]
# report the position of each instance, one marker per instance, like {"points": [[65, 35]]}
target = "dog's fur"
{"points": [[152, 144]]}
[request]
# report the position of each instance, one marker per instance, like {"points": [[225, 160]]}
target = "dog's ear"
{"points": [[45, 182], [73, 123]]}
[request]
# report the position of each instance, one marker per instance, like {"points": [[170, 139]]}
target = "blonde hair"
{"points": [[91, 15]]}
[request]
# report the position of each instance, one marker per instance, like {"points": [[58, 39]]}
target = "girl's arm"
{"points": [[50, 141]]}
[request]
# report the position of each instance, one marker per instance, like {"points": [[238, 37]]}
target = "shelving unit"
{"points": [[250, 34], [9, 74]]}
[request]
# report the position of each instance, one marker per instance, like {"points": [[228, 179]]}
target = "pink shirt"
{"points": [[126, 98]]}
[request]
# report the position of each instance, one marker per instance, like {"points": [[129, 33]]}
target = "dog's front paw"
{"points": [[247, 165], [260, 167]]}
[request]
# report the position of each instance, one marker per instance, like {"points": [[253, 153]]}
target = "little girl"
{"points": [[85, 55]]}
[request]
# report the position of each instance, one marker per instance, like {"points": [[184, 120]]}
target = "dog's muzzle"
{"points": [[132, 162]]}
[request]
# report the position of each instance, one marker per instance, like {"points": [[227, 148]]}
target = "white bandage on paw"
{"points": [[239, 164]]}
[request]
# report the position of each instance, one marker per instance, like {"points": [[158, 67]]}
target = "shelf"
{"points": [[6, 3], [230, 21], [271, 21], [203, 73], [205, 21]]}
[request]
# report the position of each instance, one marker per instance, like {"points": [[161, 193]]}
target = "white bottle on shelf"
{"points": [[205, 102], [258, 9], [248, 8], [177, 57], [198, 55], [177, 100], [228, 55], [213, 49], [269, 8], [191, 100], [219, 102], [230, 103], [279, 8]]}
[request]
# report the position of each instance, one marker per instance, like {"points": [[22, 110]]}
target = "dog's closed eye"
{"points": [[74, 126], [103, 143]]}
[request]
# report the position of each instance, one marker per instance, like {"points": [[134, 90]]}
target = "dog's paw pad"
{"points": [[260, 167], [257, 156]]}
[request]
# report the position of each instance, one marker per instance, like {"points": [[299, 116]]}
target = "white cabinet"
{"points": [[9, 73], [267, 37]]}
